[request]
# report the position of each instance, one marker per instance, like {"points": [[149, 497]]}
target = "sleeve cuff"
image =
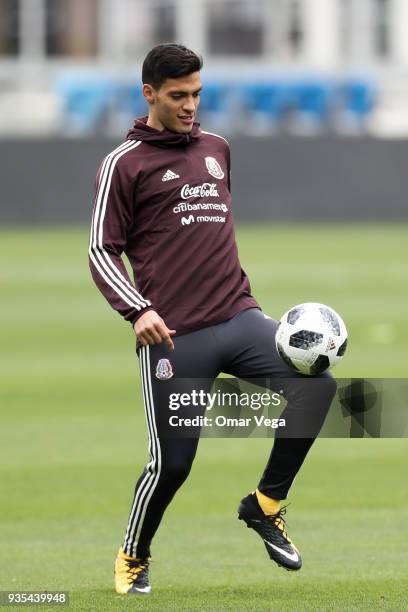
{"points": [[137, 314]]}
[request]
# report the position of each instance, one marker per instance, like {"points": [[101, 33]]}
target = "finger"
{"points": [[167, 339], [154, 332], [161, 328], [164, 326], [147, 337], [142, 340], [165, 332], [169, 343]]}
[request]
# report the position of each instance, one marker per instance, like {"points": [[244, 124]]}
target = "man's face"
{"points": [[174, 105]]}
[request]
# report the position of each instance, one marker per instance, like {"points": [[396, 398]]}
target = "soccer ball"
{"points": [[311, 338]]}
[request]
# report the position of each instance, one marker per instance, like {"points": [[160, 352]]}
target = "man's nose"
{"points": [[189, 104]]}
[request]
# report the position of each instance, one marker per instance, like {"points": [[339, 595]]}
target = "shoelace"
{"points": [[136, 568], [280, 522]]}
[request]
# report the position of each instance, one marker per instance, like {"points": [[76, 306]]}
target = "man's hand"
{"points": [[151, 329]]}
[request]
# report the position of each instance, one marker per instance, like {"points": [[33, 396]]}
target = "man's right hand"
{"points": [[151, 329]]}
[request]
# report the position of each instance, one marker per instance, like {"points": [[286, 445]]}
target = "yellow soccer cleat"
{"points": [[131, 575]]}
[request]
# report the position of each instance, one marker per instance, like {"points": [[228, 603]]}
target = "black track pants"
{"points": [[244, 347]]}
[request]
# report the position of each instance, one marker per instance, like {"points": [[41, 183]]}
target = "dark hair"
{"points": [[169, 61]]}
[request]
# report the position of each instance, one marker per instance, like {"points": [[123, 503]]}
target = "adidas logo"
{"points": [[169, 176], [331, 345]]}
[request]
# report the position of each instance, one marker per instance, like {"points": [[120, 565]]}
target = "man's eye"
{"points": [[176, 96]]}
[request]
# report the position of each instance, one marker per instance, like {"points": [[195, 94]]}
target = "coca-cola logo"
{"points": [[206, 190]]}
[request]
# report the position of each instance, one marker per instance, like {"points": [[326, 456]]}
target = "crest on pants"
{"points": [[164, 371]]}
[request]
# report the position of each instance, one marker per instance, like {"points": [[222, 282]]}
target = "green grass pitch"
{"points": [[73, 438]]}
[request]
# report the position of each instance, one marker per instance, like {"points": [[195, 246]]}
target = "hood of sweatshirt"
{"points": [[165, 138]]}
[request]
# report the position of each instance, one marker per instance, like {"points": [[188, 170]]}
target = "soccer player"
{"points": [[163, 198]]}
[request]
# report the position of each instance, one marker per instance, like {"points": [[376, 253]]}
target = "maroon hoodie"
{"points": [[163, 199]]}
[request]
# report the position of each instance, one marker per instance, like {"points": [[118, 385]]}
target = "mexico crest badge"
{"points": [[214, 168], [164, 371]]}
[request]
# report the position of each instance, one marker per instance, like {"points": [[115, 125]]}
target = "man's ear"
{"points": [[149, 93]]}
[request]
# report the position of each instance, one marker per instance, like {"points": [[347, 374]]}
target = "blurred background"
{"points": [[313, 97], [311, 90], [299, 66]]}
